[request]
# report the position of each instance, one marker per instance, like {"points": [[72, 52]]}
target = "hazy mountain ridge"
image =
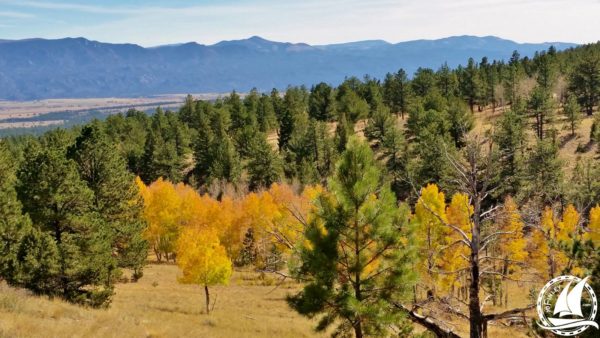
{"points": [[77, 67]]}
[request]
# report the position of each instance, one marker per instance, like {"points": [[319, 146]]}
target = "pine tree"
{"points": [[396, 92], [423, 82], [543, 108], [572, 113], [239, 114], [356, 257], [265, 116], [343, 131], [264, 167], [116, 197], [544, 172], [321, 102], [60, 204], [165, 149], [584, 81], [510, 140], [584, 186], [469, 83], [447, 81], [13, 225], [512, 79]]}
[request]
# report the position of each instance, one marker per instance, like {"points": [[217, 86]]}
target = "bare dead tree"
{"points": [[473, 175]]}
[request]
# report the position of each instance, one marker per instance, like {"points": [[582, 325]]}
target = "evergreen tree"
{"points": [[423, 82], [202, 148], [544, 173], [238, 113], [165, 149], [343, 131], [546, 71], [510, 140], [76, 262], [584, 186], [264, 167], [353, 106], [584, 81], [396, 92], [542, 107], [265, 116], [512, 78], [294, 107], [356, 260], [116, 198], [461, 121], [447, 81], [321, 102], [469, 83], [13, 225], [572, 112], [129, 133]]}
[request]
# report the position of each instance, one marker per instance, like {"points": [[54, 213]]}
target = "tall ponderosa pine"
{"points": [[265, 166], [509, 137], [76, 262], [396, 92], [356, 260], [469, 83], [13, 225], [166, 146], [572, 112], [116, 196], [584, 81], [321, 102], [512, 79]]}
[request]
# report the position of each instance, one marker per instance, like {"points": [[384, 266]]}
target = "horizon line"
{"points": [[296, 43]]}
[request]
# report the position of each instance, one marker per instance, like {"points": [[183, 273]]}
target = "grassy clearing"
{"points": [[157, 306]]}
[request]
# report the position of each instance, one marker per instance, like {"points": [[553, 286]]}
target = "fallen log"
{"points": [[439, 329]]}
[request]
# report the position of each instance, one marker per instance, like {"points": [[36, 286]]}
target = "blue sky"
{"points": [[152, 22]]}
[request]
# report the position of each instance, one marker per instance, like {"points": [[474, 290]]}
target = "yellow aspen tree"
{"points": [[509, 253], [453, 258], [162, 206], [593, 233], [202, 259], [511, 245], [430, 213], [552, 240]]}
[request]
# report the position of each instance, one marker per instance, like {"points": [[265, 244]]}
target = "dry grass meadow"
{"points": [[253, 305], [158, 306]]}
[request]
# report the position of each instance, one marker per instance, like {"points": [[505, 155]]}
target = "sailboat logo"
{"points": [[572, 311]]}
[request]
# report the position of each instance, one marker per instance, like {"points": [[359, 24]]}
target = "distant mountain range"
{"points": [[77, 67]]}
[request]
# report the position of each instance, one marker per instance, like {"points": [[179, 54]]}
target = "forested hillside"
{"points": [[390, 200]]}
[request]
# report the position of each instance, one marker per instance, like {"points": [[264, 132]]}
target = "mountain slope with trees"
{"points": [[426, 213]]}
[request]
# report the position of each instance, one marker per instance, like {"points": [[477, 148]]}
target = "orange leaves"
{"points": [[274, 215]]}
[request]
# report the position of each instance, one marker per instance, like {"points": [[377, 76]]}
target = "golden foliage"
{"points": [[551, 241], [511, 243], [202, 258], [593, 233]]}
